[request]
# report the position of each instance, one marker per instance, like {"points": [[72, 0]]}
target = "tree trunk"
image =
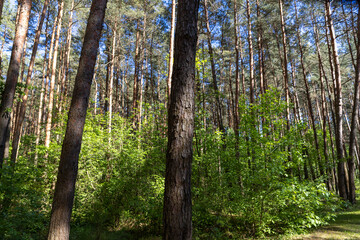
{"points": [[351, 164], [136, 76], [53, 75], [65, 186], [13, 73], [111, 82], [177, 197], [2, 50], [237, 86], [260, 49], [213, 71], [1, 8], [251, 54], [42, 91], [171, 52], [307, 91], [21, 113], [324, 113], [66, 75], [347, 30], [338, 107], [285, 63], [143, 73]]}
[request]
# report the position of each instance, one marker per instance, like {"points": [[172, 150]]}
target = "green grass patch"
{"points": [[345, 226]]}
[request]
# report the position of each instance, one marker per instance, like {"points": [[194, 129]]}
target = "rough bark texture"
{"points": [[65, 186], [351, 164], [177, 198], [13, 72]]}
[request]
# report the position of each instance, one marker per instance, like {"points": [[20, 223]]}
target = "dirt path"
{"points": [[345, 226]]}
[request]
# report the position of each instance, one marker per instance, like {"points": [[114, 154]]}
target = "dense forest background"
{"points": [[276, 134]]}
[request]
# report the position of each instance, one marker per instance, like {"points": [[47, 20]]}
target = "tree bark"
{"points": [[338, 107], [285, 63], [111, 82], [42, 90], [66, 75], [177, 197], [135, 99], [1, 8], [13, 73], [351, 164], [218, 110], [251, 53], [53, 75], [65, 186], [307, 91], [171, 52], [237, 86], [260, 50], [21, 113]]}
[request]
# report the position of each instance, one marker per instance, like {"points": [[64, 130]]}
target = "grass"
{"points": [[345, 226]]}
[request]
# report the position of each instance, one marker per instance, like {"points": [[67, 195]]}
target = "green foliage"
{"points": [[119, 191], [258, 193], [24, 196]]}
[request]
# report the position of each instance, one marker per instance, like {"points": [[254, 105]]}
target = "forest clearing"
{"points": [[179, 119]]}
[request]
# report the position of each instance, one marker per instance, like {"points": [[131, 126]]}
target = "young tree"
{"points": [[13, 72], [65, 185], [177, 197]]}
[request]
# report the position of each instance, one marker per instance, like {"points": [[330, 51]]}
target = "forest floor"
{"points": [[345, 226]]}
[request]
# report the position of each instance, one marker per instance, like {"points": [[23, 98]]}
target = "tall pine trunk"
{"points": [[177, 197], [307, 91], [21, 113], [338, 107], [251, 53], [171, 49], [218, 110], [65, 185], [13, 73], [53, 75], [351, 164]]}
